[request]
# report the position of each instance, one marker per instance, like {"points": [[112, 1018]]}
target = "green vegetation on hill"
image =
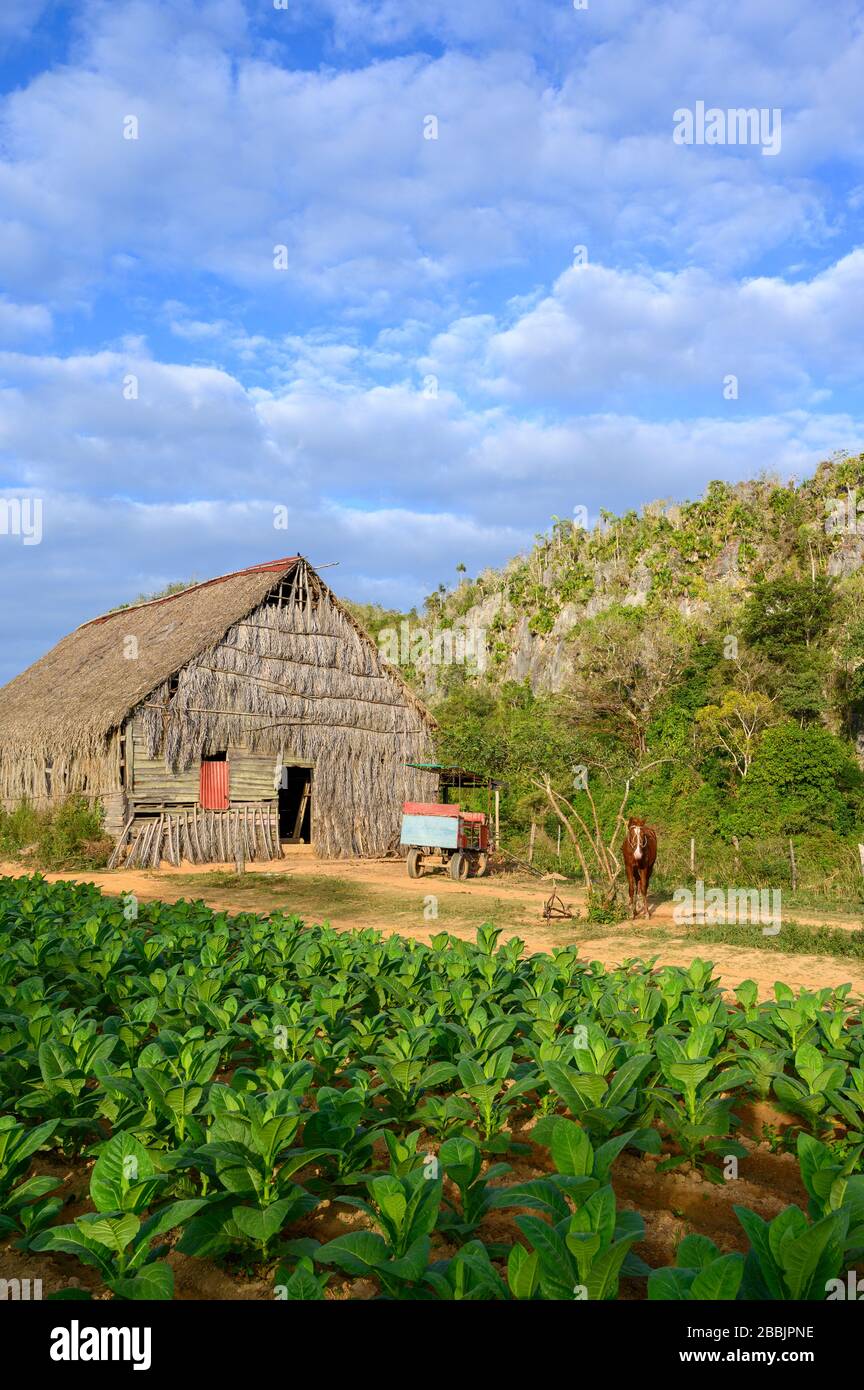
{"points": [[712, 652]]}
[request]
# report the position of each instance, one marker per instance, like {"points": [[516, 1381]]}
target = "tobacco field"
{"points": [[459, 1111]]}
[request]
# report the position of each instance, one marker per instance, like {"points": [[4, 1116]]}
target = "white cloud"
{"points": [[306, 387], [18, 20], [617, 336], [237, 153], [394, 486], [22, 321]]}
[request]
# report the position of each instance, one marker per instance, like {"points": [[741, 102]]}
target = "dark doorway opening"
{"points": [[295, 805]]}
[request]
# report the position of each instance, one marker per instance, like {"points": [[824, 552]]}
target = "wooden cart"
{"points": [[440, 834], [435, 834]]}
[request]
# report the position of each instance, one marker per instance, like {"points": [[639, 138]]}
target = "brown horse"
{"points": [[640, 853]]}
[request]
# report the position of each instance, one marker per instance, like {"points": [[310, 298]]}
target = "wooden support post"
{"points": [[196, 843], [239, 849], [118, 848], [693, 855], [531, 839], [559, 844], [156, 855], [861, 854], [794, 866], [497, 826]]}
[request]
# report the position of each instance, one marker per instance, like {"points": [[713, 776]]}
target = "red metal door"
{"points": [[214, 785]]}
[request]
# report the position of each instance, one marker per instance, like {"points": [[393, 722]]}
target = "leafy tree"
{"points": [[850, 678], [627, 670], [784, 614], [799, 778], [510, 735], [735, 725], [801, 694]]}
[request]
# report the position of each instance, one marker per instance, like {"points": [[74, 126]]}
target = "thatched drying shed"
{"points": [[238, 714]]}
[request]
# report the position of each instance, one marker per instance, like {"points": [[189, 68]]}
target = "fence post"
{"points": [[794, 866], [861, 853], [693, 854], [559, 843], [531, 842]]}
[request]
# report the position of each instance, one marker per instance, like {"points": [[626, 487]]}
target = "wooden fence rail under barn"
{"points": [[200, 837]]}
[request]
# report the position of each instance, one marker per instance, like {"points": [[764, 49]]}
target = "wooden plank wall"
{"points": [[115, 805], [251, 777]]}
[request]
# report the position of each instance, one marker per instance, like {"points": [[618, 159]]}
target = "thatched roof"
{"points": [[88, 684]]}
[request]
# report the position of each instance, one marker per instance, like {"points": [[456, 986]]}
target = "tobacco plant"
{"points": [[405, 1210], [114, 1238], [25, 1206], [256, 1066], [690, 1098], [701, 1274], [462, 1163], [250, 1162], [791, 1258]]}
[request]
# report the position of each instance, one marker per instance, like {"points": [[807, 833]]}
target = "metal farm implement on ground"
{"points": [[438, 834]]}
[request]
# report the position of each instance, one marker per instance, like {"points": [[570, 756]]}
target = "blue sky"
{"points": [[437, 370]]}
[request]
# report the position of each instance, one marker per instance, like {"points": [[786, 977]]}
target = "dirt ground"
{"points": [[378, 894]]}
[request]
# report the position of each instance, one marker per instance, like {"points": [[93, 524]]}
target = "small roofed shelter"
{"points": [[232, 717]]}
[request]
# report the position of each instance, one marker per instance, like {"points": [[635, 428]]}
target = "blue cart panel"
{"points": [[441, 832]]}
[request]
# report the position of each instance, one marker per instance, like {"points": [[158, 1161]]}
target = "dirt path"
{"points": [[377, 893], [734, 964]]}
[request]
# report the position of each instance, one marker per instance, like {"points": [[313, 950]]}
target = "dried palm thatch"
{"points": [[265, 659], [66, 711]]}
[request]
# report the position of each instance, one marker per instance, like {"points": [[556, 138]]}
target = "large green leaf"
{"points": [[626, 1077], [557, 1266], [262, 1224], [577, 1089], [154, 1281], [412, 1265], [70, 1240], [522, 1271], [302, 1286], [605, 1269], [118, 1179], [571, 1149], [720, 1280], [114, 1232], [813, 1257], [360, 1252], [757, 1232], [168, 1218]]}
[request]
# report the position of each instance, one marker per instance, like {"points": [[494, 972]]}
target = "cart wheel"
{"points": [[481, 864], [414, 863], [459, 866]]}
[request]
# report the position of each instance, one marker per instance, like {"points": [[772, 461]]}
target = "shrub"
{"points": [[799, 778], [69, 835]]}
